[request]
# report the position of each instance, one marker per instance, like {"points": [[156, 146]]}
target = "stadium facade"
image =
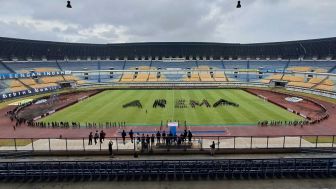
{"points": [[30, 49]]}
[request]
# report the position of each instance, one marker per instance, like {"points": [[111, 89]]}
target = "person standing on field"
{"points": [[131, 134], [110, 144], [189, 136], [212, 148], [123, 135], [96, 136], [158, 136], [90, 138]]}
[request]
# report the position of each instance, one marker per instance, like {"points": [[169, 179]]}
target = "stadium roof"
{"points": [[22, 49]]}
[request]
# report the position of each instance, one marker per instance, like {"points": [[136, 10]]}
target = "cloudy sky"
{"points": [[119, 21]]}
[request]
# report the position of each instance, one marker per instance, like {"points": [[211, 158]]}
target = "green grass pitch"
{"points": [[107, 106]]}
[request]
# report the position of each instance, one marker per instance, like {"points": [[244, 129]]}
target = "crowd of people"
{"points": [[74, 125], [283, 123], [107, 124], [96, 136], [160, 103], [148, 141], [54, 124], [194, 103], [135, 103], [15, 119], [223, 102], [180, 103], [13, 115]]}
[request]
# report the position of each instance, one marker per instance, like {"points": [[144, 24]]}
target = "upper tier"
{"points": [[22, 49]]}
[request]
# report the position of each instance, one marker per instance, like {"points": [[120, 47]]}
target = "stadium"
{"points": [[155, 111], [191, 86]]}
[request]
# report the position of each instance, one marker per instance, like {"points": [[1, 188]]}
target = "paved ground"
{"points": [[226, 184], [197, 143]]}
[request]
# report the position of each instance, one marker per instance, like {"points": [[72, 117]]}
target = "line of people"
{"points": [[283, 123], [168, 139], [65, 124], [96, 136], [55, 124], [107, 124]]}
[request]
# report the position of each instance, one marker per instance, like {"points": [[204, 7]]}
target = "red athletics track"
{"points": [[326, 127]]}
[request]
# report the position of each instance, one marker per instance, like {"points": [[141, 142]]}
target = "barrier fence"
{"points": [[197, 143]]}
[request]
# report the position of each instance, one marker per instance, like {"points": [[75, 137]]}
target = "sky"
{"points": [[122, 21]]}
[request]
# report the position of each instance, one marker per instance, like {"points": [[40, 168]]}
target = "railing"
{"points": [[197, 143], [168, 169]]}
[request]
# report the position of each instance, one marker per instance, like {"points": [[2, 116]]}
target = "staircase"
{"points": [[98, 67], [247, 73], [332, 69], [150, 64], [285, 68], [124, 65], [7, 67], [196, 63], [223, 65], [319, 83], [123, 68], [60, 68], [12, 71]]}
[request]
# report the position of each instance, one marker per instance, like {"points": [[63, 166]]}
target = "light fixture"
{"points": [[238, 5], [69, 5]]}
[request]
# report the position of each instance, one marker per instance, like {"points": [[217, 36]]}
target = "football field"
{"points": [[107, 106]]}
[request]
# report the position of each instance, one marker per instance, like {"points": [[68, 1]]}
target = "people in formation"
{"points": [[122, 124], [55, 124], [284, 123], [67, 124]]}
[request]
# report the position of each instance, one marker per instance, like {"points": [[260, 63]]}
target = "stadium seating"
{"points": [[204, 76], [300, 84], [152, 77], [296, 56], [316, 66], [70, 78], [167, 169], [28, 81], [172, 65], [43, 85], [24, 67], [271, 65], [53, 79], [16, 89], [293, 78], [200, 71], [141, 77], [220, 77], [126, 77], [307, 69], [325, 87], [211, 64], [236, 64]]}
